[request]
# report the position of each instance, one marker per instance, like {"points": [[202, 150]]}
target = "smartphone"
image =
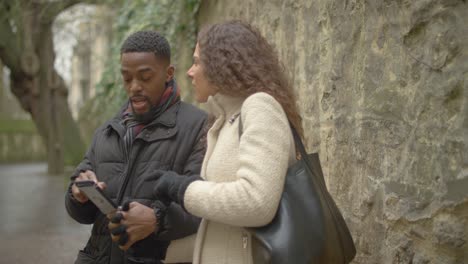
{"points": [[96, 196]]}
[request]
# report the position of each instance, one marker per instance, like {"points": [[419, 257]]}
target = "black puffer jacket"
{"points": [[172, 142]]}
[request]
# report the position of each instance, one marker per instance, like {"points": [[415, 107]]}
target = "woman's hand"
{"points": [[171, 187]]}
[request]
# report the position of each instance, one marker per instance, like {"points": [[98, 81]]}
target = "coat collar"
{"points": [[167, 119], [224, 106]]}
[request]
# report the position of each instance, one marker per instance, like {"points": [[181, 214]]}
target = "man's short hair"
{"points": [[147, 41]]}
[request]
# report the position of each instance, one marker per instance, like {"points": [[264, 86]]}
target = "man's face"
{"points": [[144, 76]]}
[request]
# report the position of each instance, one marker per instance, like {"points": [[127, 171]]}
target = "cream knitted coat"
{"points": [[244, 177]]}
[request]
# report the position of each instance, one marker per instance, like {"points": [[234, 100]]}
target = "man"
{"points": [[153, 132]]}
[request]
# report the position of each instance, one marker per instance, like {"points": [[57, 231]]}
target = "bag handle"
{"points": [[297, 138]]}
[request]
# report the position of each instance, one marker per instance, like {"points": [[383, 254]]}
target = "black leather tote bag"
{"points": [[308, 226]]}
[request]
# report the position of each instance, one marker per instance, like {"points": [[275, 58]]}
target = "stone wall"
{"points": [[383, 93], [21, 147]]}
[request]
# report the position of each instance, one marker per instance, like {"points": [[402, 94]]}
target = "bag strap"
{"points": [[298, 141], [297, 138]]}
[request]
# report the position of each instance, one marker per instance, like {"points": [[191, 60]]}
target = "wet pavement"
{"points": [[34, 225]]}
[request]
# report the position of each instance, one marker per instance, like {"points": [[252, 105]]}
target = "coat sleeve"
{"points": [[83, 213], [265, 148], [178, 223]]}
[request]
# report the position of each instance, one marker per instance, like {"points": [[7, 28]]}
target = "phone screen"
{"points": [[95, 194]]}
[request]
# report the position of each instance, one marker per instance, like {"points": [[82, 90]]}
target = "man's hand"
{"points": [[136, 224], [85, 176]]}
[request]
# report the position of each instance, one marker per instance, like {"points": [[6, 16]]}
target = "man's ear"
{"points": [[170, 72]]}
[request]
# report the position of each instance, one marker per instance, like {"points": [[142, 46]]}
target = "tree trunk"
{"points": [[1, 88], [41, 91]]}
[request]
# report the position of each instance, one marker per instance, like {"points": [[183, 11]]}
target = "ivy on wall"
{"points": [[173, 19]]}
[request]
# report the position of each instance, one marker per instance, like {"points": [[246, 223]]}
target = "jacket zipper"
{"points": [[124, 186], [131, 163]]}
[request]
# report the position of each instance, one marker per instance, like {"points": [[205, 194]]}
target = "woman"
{"points": [[237, 73]]}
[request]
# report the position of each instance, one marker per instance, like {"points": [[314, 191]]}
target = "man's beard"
{"points": [[147, 116]]}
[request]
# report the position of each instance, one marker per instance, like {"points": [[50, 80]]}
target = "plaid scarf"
{"points": [[133, 127]]}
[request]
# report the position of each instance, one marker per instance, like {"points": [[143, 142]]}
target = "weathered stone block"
{"points": [[382, 88]]}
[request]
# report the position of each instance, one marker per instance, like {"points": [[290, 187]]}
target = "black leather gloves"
{"points": [[121, 229], [171, 187]]}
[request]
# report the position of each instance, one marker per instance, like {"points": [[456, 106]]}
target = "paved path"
{"points": [[34, 225]]}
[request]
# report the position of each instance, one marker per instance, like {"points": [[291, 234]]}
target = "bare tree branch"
{"points": [[51, 10]]}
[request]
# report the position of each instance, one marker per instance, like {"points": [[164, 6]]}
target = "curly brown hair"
{"points": [[239, 61]]}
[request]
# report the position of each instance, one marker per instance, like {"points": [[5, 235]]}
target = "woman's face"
{"points": [[203, 88]]}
